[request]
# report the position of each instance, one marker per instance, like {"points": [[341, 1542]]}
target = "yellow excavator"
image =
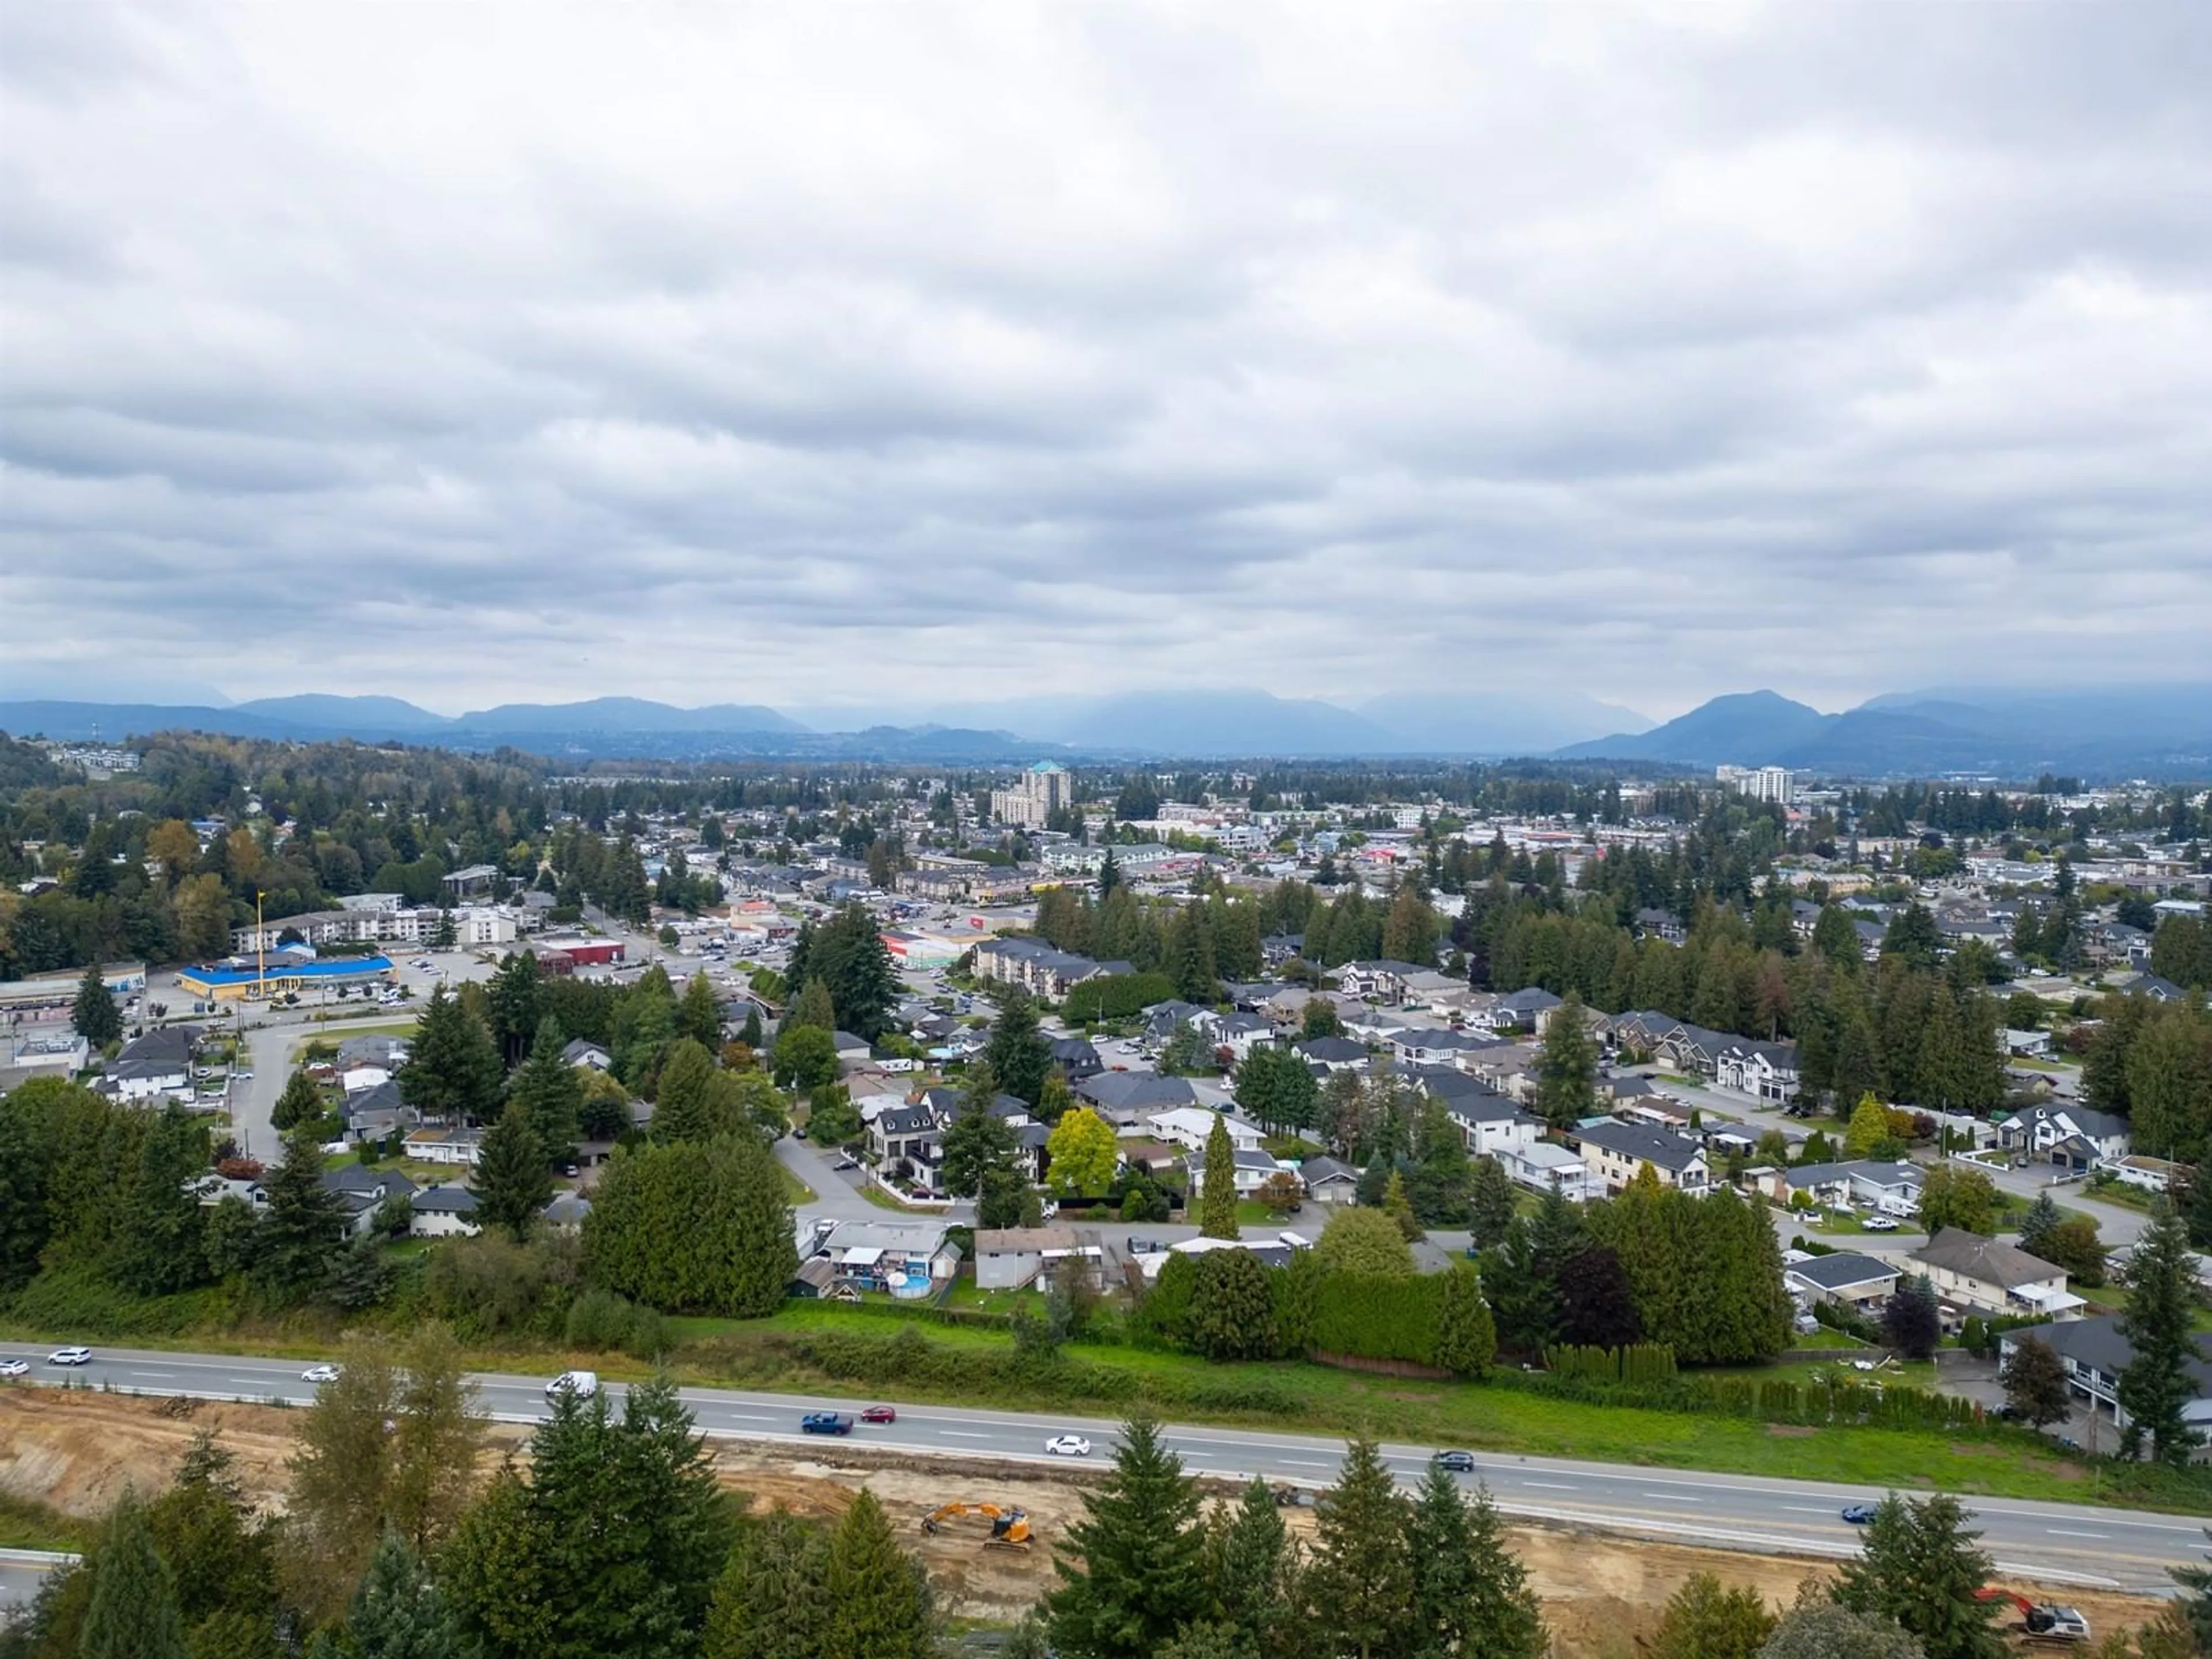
{"points": [[1010, 1527]]}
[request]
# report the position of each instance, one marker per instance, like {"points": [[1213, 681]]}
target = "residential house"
{"points": [[1989, 1276], [1433, 1045], [2152, 1175], [1333, 1054], [2094, 1353], [1192, 1126], [459, 1147], [907, 1258], [361, 1191], [442, 1213], [1546, 1166], [154, 1066], [1327, 1181], [377, 1113], [1010, 1258], [908, 1141], [579, 1051], [2070, 1137], [1254, 1170], [1076, 1058], [1858, 1282], [1527, 1010], [1766, 1071], [1887, 1188], [850, 1050], [566, 1210], [1239, 1033], [1128, 1099], [1037, 967], [1615, 1152], [1665, 925], [1381, 981], [1491, 1124]]}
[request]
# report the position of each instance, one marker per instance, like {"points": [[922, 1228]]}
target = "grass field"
{"points": [[27, 1524]]}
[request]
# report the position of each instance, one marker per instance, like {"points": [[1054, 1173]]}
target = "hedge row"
{"points": [[1378, 1318]]}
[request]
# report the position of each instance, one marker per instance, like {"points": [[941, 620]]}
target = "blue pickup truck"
{"points": [[826, 1423]]}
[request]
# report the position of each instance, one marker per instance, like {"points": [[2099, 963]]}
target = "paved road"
{"points": [[19, 1573], [2060, 1543]]}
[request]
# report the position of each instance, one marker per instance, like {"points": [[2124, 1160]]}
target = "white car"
{"points": [[1068, 1445], [1879, 1224], [319, 1374], [582, 1384], [69, 1356], [15, 1367]]}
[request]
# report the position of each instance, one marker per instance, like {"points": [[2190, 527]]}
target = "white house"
{"points": [[459, 1147], [1191, 1126], [1853, 1281], [1008, 1258], [1254, 1170], [2152, 1175], [1764, 1070], [1547, 1167], [1892, 1190], [442, 1213], [2071, 1137], [1493, 1125]]}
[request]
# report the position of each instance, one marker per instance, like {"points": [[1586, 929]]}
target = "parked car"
{"points": [[319, 1374], [582, 1384], [1859, 1515], [1068, 1445], [71, 1356], [1457, 1463], [14, 1367], [825, 1423], [880, 1414], [1879, 1224]]}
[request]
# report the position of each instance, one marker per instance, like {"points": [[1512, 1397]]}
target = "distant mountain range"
{"points": [[2105, 732], [2158, 732]]}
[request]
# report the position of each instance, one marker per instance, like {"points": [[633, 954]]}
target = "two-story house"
{"points": [[1191, 1126], [1764, 1070], [1614, 1152], [1986, 1275], [2070, 1137], [2094, 1353]]}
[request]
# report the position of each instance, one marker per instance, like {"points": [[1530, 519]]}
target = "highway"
{"points": [[2060, 1544]]}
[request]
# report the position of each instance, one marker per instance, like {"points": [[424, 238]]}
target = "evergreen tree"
{"points": [[1919, 1566], [1232, 1307], [400, 1613], [699, 1014], [205, 1533], [1252, 1570], [453, 1072], [1705, 1620], [752, 1035], [2036, 1226], [1523, 1299], [2195, 1608], [1596, 1307], [1018, 1053], [300, 1102], [1912, 1323], [512, 1182], [303, 1230], [92, 1015], [1567, 1068], [1400, 1208], [1216, 1215], [848, 955], [1501, 1615], [513, 1006], [550, 1093], [162, 1222], [812, 1008], [771, 1600], [1359, 1585], [2154, 1387], [132, 1613], [1142, 1555], [1466, 1338], [879, 1602], [1816, 1628], [698, 1227], [687, 1106], [1491, 1204]]}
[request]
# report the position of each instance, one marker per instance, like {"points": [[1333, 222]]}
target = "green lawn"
{"points": [[27, 1524], [795, 1189], [883, 1201]]}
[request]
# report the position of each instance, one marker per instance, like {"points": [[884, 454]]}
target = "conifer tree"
{"points": [[1467, 1337], [2036, 1225], [1491, 1204], [2155, 1388], [1253, 1571], [1400, 1208], [303, 1230], [1868, 1129], [92, 1016], [879, 1600], [1567, 1068], [300, 1102], [453, 1072], [550, 1093], [513, 1182], [132, 1614], [771, 1600], [1216, 1215], [1706, 1620], [685, 1104], [699, 1014], [1142, 1555], [162, 1222], [400, 1612], [812, 1007], [1017, 1055], [1359, 1583], [752, 1035], [1471, 1594], [1919, 1566]]}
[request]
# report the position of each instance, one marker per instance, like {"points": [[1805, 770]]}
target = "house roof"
{"points": [[843, 1040], [1863, 1169], [1315, 1169], [1021, 1240], [1846, 1270], [1139, 1092], [445, 1201], [577, 1048], [1332, 1048], [2081, 1119], [2099, 1343], [1654, 1146], [359, 1178], [1990, 1261]]}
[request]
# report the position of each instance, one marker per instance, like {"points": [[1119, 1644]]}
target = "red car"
{"points": [[879, 1414]]}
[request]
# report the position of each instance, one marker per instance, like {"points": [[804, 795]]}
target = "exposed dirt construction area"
{"points": [[75, 1450]]}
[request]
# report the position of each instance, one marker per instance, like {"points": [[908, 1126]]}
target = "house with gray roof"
{"points": [[1615, 1152], [1859, 1282]]}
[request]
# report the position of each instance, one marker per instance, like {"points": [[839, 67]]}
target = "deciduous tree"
{"points": [[2035, 1383], [1084, 1151]]}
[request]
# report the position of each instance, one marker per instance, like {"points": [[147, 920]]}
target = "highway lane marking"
{"points": [[960, 1434], [2061, 1532], [1672, 1497], [1306, 1463], [1550, 1486]]}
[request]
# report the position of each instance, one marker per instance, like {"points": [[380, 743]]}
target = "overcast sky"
{"points": [[789, 354]]}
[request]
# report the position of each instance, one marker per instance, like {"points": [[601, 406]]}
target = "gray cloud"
{"points": [[489, 353]]}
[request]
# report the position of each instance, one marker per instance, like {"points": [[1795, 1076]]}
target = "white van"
{"points": [[582, 1384]]}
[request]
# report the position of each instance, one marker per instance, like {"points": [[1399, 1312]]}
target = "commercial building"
{"points": [[252, 983]]}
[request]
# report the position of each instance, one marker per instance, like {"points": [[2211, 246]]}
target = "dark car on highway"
{"points": [[1859, 1515], [1459, 1462]]}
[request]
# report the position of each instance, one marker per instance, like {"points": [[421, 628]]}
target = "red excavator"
{"points": [[2041, 1622]]}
